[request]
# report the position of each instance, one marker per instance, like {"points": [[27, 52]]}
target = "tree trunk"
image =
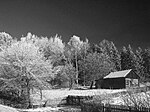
{"points": [[91, 84], [41, 94], [41, 97], [28, 94], [84, 66], [76, 67], [70, 84], [84, 78]]}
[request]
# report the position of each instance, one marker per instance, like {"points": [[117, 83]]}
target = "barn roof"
{"points": [[118, 74]]}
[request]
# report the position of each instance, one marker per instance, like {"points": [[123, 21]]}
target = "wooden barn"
{"points": [[119, 80]]}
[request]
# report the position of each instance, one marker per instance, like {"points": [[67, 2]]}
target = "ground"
{"points": [[56, 96]]}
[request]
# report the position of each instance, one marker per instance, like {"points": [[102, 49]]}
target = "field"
{"points": [[55, 96], [50, 94]]}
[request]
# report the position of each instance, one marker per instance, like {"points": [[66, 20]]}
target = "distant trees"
{"points": [[140, 66], [138, 61], [109, 48], [128, 58], [96, 65], [145, 56]]}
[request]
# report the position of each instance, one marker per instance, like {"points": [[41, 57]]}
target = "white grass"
{"points": [[61, 93], [46, 109], [56, 96], [7, 109]]}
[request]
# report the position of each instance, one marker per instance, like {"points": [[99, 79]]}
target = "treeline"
{"points": [[42, 62]]}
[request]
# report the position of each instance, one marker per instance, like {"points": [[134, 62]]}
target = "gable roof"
{"points": [[118, 74]]}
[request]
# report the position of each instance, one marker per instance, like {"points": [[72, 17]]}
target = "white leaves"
{"points": [[56, 45], [25, 58], [5, 40], [75, 42], [5, 36], [30, 38], [23, 53], [52, 47]]}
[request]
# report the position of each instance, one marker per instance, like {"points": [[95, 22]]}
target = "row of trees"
{"points": [[41, 62]]}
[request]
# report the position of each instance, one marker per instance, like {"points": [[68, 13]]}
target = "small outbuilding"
{"points": [[119, 80]]}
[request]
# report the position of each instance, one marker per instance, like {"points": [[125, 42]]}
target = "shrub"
{"points": [[137, 100]]}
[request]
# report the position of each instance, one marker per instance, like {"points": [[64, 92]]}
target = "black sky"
{"points": [[121, 21]]}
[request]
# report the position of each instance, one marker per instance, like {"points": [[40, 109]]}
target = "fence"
{"points": [[93, 107], [77, 100]]}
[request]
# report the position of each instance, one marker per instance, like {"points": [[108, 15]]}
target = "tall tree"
{"points": [[84, 52], [146, 63], [109, 48], [75, 45], [129, 60], [140, 68], [95, 48], [124, 58], [96, 65]]}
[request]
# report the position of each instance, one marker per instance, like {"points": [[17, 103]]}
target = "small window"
{"points": [[135, 82]]}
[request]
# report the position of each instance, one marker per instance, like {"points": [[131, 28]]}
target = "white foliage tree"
{"points": [[75, 45], [28, 63]]}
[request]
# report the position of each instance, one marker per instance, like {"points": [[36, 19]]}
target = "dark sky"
{"points": [[121, 21]]}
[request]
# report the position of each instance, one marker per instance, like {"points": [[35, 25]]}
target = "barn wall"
{"points": [[114, 83], [99, 83], [132, 75], [134, 79]]}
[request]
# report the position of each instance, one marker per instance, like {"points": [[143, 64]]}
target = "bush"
{"points": [[137, 100], [12, 98]]}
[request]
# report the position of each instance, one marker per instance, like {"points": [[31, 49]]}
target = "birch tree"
{"points": [[75, 45]]}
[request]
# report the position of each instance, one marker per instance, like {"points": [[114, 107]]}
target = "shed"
{"points": [[119, 80]]}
